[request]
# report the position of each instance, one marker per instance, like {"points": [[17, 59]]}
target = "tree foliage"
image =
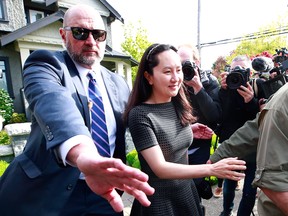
{"points": [[262, 42], [135, 43]]}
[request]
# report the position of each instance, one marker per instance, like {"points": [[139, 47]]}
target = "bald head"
{"points": [[189, 52], [82, 43], [83, 16]]}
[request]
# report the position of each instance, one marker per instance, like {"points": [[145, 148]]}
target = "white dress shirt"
{"points": [[65, 147]]}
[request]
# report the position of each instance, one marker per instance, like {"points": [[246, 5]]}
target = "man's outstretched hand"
{"points": [[104, 175]]}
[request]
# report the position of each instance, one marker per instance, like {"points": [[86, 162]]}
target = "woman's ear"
{"points": [[148, 77]]}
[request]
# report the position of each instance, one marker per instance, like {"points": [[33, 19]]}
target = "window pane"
{"points": [[1, 9], [3, 81], [35, 15]]}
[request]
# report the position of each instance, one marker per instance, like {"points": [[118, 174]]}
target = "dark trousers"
{"points": [[200, 155], [248, 195], [84, 202]]}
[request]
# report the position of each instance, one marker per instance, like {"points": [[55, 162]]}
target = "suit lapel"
{"points": [[81, 93], [110, 88]]}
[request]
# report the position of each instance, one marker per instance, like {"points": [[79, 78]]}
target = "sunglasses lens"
{"points": [[80, 33], [99, 35]]}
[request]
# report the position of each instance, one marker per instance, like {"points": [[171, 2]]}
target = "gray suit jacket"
{"points": [[35, 183]]}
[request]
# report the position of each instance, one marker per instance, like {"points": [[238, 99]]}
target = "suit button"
{"points": [[69, 187]]}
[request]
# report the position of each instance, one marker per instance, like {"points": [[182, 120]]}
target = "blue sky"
{"points": [[175, 22]]}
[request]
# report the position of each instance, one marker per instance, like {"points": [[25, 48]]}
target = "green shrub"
{"points": [[132, 159], [18, 118], [4, 138], [3, 166], [6, 106]]}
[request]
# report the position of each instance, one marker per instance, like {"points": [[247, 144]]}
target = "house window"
{"points": [[3, 10], [35, 15], [5, 78]]}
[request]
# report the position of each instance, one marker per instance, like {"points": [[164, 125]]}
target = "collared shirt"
{"points": [[65, 147]]}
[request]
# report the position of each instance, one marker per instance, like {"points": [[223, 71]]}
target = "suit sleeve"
{"points": [[52, 97], [242, 142]]}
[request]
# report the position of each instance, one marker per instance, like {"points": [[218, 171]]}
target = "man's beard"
{"points": [[80, 59]]}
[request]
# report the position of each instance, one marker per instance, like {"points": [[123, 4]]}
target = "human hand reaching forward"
{"points": [[201, 131], [228, 168], [105, 175]]}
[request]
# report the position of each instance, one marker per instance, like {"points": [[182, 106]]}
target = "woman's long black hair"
{"points": [[142, 90]]}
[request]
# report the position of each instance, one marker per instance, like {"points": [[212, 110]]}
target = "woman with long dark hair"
{"points": [[159, 117]]}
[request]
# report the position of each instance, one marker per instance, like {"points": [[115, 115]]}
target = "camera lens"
{"points": [[234, 80], [188, 70]]}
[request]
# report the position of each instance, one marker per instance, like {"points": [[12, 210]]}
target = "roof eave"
{"points": [[113, 11], [8, 38]]}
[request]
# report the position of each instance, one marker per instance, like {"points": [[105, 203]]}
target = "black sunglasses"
{"points": [[83, 33]]}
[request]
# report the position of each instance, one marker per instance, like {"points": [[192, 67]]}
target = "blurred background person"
{"points": [[203, 88], [239, 104]]}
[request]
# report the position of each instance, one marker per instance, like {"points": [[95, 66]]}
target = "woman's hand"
{"points": [[229, 168], [201, 131]]}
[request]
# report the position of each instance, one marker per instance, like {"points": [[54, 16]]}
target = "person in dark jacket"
{"points": [[239, 104], [61, 171], [203, 91]]}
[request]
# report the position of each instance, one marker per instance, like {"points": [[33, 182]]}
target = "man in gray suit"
{"points": [[60, 171]]}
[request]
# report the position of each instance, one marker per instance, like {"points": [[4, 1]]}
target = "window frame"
{"points": [[8, 76], [32, 14], [3, 8]]}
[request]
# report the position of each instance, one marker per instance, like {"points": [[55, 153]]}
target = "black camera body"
{"points": [[237, 77], [190, 69], [281, 55]]}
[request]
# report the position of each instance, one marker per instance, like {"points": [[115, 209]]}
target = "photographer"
{"points": [[203, 92], [280, 60], [239, 104], [273, 70]]}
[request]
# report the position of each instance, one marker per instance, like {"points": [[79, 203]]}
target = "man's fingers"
{"points": [[136, 184], [139, 195], [114, 200], [116, 165]]}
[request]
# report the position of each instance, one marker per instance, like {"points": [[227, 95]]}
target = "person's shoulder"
{"points": [[116, 78], [138, 109], [110, 73], [43, 52], [44, 55], [259, 80], [41, 55], [279, 99], [213, 82], [137, 113]]}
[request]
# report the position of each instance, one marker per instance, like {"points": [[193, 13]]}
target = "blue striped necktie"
{"points": [[98, 123]]}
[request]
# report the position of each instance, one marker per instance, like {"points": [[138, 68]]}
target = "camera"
{"points": [[190, 69], [281, 55], [237, 77]]}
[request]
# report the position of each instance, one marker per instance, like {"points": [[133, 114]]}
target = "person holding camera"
{"points": [[239, 104], [203, 90], [269, 128]]}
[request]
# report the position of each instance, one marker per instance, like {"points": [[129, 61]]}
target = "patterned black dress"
{"points": [[158, 124]]}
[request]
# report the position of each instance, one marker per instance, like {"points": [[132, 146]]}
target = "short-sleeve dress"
{"points": [[158, 124]]}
